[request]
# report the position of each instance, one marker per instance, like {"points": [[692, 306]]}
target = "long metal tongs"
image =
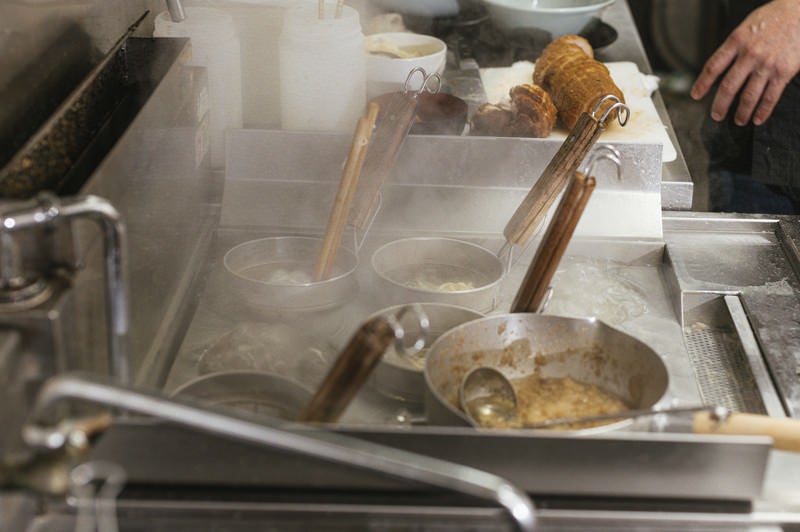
{"points": [[391, 129], [277, 434], [535, 287], [562, 166]]}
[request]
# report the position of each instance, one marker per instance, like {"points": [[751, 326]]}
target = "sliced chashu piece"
{"points": [[534, 112]]}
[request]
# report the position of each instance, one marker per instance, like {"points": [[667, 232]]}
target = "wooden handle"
{"points": [[344, 195], [564, 164], [349, 371], [784, 431], [554, 244], [92, 425], [391, 130]]}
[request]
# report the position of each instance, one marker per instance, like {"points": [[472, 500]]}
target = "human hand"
{"points": [[761, 56]]}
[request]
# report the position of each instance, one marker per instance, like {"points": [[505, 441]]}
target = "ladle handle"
{"points": [[784, 431], [351, 369], [554, 243], [564, 164]]}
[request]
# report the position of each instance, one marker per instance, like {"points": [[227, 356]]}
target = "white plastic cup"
{"points": [[215, 46], [322, 69]]}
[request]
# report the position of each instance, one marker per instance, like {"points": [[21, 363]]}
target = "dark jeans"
{"points": [[732, 192]]}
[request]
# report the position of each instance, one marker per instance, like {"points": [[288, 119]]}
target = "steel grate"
{"points": [[722, 369]]}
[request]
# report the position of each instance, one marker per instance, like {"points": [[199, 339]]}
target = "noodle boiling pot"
{"points": [[521, 344]]}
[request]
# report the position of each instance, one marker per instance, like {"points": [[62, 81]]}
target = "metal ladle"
{"points": [[489, 399]]}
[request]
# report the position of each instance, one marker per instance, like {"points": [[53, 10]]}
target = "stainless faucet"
{"points": [[274, 433], [48, 210]]}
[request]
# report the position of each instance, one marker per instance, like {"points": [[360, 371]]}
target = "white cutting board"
{"points": [[644, 124]]}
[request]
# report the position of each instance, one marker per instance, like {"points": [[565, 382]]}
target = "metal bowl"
{"points": [[277, 348], [262, 393], [584, 349], [273, 275], [402, 377], [425, 269]]}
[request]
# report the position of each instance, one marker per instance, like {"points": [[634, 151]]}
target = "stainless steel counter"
{"points": [[665, 293], [715, 296], [688, 294]]}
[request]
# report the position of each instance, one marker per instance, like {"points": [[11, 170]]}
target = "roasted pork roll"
{"points": [[575, 80]]}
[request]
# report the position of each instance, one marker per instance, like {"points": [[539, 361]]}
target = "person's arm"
{"points": [[758, 59]]}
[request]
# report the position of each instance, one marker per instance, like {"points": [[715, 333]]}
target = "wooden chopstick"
{"points": [[344, 194], [554, 244]]}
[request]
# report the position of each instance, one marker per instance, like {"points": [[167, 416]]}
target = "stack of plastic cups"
{"points": [[215, 46], [322, 68]]}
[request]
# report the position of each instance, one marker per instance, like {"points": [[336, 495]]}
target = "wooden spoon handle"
{"points": [[564, 164], [784, 431]]}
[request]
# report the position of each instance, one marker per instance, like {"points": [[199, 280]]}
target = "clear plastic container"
{"points": [[322, 68], [215, 46]]}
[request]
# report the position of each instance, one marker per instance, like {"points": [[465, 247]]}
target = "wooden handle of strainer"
{"points": [[344, 195], [349, 371], [562, 166], [554, 244]]}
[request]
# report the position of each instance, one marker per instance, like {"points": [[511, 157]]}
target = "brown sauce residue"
{"points": [[543, 399]]}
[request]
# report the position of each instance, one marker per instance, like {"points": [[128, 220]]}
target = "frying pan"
{"points": [[524, 343], [521, 344]]}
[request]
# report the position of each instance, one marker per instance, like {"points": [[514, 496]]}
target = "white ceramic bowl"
{"points": [[559, 17], [421, 8], [388, 74]]}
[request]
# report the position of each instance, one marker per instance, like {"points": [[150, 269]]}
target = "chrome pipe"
{"points": [[47, 209], [278, 434], [176, 13]]}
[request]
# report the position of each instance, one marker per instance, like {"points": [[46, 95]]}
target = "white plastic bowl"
{"points": [[388, 74], [559, 17]]}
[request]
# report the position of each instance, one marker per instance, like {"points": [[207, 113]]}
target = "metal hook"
{"points": [[608, 153], [423, 323], [618, 105], [426, 79]]}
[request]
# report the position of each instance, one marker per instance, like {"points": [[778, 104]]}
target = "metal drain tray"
{"points": [[728, 363], [737, 283]]}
